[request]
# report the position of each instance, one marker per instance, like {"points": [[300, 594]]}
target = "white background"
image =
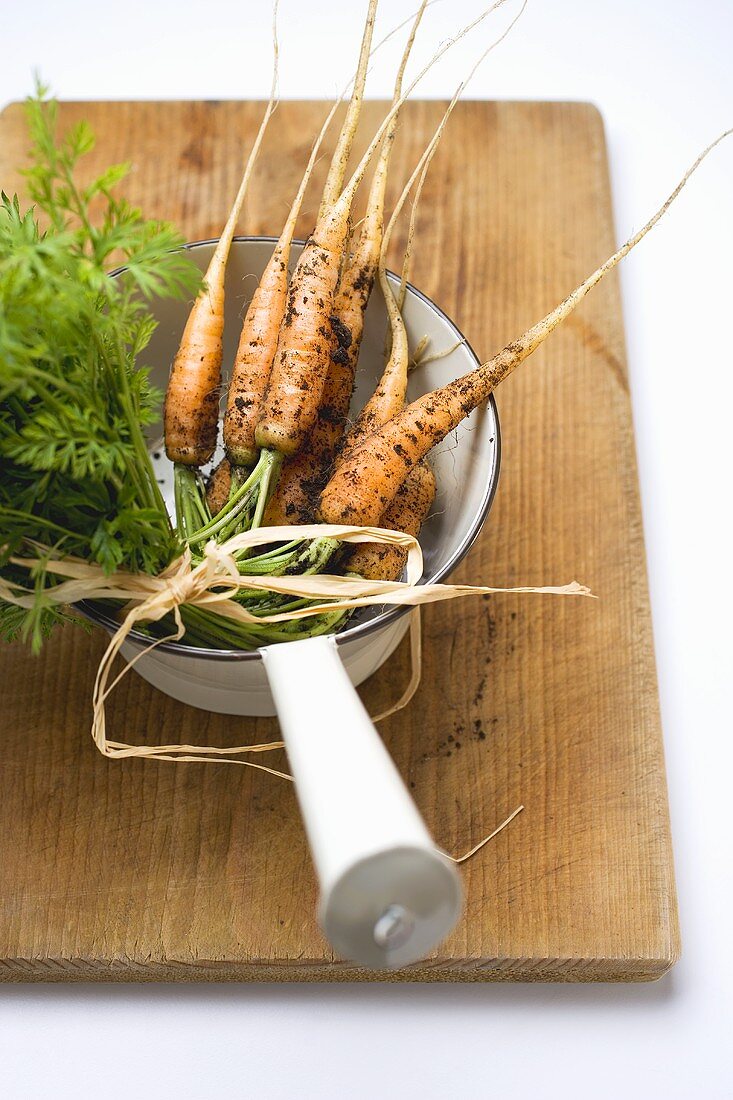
{"points": [[661, 73]]}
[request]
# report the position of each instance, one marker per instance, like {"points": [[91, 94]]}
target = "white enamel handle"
{"points": [[388, 896]]}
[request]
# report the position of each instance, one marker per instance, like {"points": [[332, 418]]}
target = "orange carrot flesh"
{"points": [[389, 396], [255, 353], [218, 486], [303, 476], [192, 398], [191, 412], [295, 499], [260, 330], [303, 350], [407, 512], [363, 487]]}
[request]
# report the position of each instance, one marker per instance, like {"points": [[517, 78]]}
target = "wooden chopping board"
{"points": [[155, 871]]}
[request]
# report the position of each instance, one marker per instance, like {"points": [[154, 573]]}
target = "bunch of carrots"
{"points": [[292, 454]]}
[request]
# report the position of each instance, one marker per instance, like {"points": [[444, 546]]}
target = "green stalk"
{"points": [[31, 518], [198, 500], [315, 556], [181, 490], [231, 634], [234, 506], [281, 548], [140, 469], [303, 628], [274, 561], [240, 520], [268, 482], [253, 567]]}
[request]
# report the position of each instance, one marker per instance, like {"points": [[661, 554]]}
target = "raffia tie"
{"points": [[213, 583]]}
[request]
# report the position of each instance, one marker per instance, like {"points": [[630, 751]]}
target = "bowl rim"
{"points": [[90, 610]]}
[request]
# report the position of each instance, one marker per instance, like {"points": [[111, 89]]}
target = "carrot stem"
{"points": [[236, 504], [267, 483]]}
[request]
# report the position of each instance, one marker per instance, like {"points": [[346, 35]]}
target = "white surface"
{"points": [[370, 846], [661, 73]]}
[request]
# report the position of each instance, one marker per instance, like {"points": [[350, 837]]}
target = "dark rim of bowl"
{"points": [[92, 612]]}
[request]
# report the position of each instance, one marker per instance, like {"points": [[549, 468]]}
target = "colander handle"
{"points": [[388, 896]]}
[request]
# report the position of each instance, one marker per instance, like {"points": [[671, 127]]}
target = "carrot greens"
{"points": [[75, 474]]}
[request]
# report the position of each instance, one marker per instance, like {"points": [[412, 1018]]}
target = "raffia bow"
{"points": [[213, 583]]}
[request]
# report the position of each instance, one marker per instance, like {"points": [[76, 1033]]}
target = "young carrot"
{"points": [[309, 340], [407, 512], [218, 486], [303, 475], [414, 498], [362, 266], [191, 413], [364, 486], [299, 370], [295, 498], [232, 491], [259, 335], [260, 330], [389, 397]]}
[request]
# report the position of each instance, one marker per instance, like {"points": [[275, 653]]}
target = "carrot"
{"points": [[249, 489], [323, 292], [218, 486], [260, 330], [191, 411], [303, 475], [415, 496], [389, 397], [295, 498], [363, 487], [361, 269], [407, 512], [259, 335], [299, 370]]}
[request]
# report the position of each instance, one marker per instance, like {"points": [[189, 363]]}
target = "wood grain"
{"points": [[143, 871]]}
